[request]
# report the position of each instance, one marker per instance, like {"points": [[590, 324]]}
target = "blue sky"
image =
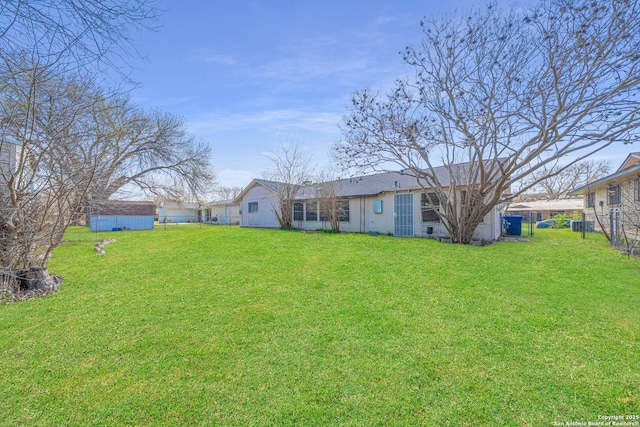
{"points": [[246, 75]]}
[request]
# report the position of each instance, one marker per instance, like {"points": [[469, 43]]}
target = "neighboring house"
{"points": [[115, 215], [9, 158], [218, 212], [180, 212], [16, 173], [222, 212], [545, 209], [388, 203], [256, 203], [613, 202]]}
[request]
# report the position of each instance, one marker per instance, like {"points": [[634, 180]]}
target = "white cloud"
{"points": [[354, 58], [295, 71], [279, 121], [214, 58]]}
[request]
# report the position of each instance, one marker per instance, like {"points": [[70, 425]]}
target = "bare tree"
{"points": [[50, 52], [332, 205], [556, 181], [151, 151], [290, 167], [499, 96], [40, 194], [227, 193], [66, 149]]}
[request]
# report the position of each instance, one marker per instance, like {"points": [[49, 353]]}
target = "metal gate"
{"points": [[403, 215]]}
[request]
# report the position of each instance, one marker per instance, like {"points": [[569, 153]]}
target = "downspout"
{"points": [[364, 215]]}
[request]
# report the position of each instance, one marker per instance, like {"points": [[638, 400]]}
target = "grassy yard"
{"points": [[227, 326]]}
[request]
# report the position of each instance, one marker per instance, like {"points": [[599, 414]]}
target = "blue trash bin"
{"points": [[514, 225]]}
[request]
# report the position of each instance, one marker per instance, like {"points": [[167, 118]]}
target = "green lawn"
{"points": [[227, 326]]}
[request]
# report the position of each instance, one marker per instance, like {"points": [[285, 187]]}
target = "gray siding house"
{"points": [[256, 204], [386, 203], [615, 199], [9, 159]]}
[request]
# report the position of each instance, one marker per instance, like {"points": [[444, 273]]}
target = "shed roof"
{"points": [[221, 203], [121, 207]]}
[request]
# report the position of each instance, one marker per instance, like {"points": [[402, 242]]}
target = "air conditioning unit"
{"points": [[578, 226]]}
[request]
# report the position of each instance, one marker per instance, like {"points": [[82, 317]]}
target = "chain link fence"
{"points": [[621, 226]]}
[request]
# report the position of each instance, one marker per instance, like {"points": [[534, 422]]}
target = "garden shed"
{"points": [[117, 215]]}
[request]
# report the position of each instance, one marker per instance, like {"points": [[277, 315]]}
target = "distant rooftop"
{"points": [[573, 204]]}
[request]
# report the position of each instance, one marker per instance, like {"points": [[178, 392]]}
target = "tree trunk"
{"points": [[35, 281]]}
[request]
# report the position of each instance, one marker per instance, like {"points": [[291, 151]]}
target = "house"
{"points": [[256, 203], [613, 202], [544, 209], [218, 212], [180, 212], [222, 212], [116, 215], [387, 203], [9, 158]]}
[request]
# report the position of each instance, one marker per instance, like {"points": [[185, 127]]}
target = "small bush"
{"points": [[560, 220]]}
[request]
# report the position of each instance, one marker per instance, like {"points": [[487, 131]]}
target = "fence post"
{"points": [[618, 237], [584, 224], [611, 230]]}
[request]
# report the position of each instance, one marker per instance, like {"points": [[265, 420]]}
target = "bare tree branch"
{"points": [[73, 35], [152, 151], [227, 193], [556, 181]]}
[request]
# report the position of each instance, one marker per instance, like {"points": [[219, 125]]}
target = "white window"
{"points": [[613, 195]]}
